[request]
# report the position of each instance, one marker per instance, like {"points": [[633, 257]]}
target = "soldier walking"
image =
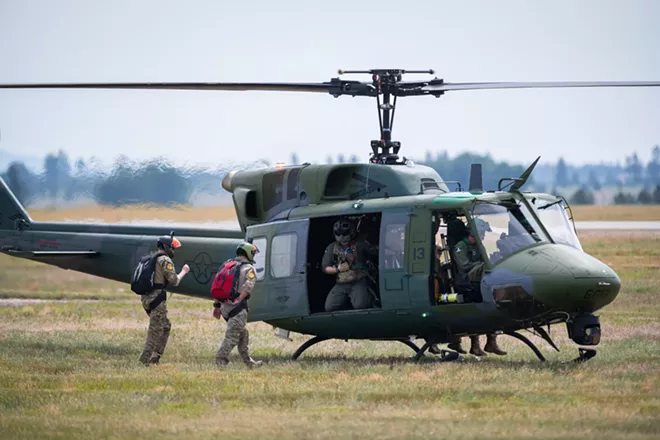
{"points": [[155, 303], [235, 310]]}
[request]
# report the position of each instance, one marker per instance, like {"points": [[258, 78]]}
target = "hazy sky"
{"points": [[302, 40]]}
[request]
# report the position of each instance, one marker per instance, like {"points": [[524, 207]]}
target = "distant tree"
{"points": [[354, 158], [622, 198], [645, 197], [653, 167], [340, 158], [575, 180], [634, 169], [656, 194], [594, 182], [22, 182], [561, 177], [328, 160], [583, 197], [154, 182]]}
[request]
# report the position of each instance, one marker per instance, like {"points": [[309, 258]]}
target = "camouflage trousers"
{"points": [[236, 334], [159, 329]]}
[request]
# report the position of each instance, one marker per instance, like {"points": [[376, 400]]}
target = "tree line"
{"points": [[157, 181]]}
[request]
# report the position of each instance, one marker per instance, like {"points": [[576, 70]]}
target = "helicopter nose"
{"points": [[556, 275], [593, 285]]}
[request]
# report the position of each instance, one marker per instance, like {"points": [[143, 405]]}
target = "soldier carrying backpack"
{"points": [[231, 289], [153, 274]]}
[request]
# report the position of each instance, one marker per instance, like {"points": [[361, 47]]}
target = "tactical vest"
{"points": [[347, 255]]}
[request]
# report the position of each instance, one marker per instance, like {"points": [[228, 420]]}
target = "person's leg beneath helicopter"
{"points": [[455, 345], [475, 348], [338, 298], [491, 345]]}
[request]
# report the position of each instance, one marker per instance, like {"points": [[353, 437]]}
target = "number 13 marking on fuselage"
{"points": [[418, 253]]}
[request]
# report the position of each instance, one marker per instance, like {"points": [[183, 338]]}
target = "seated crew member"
{"points": [[346, 258], [470, 265]]}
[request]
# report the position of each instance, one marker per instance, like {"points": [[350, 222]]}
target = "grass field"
{"points": [[69, 369], [219, 213]]}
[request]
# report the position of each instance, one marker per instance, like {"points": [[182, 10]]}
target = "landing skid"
{"points": [[446, 355], [584, 355]]}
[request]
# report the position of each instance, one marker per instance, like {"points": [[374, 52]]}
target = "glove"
{"points": [[343, 267]]}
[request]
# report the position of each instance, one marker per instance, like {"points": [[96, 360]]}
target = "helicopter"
{"points": [[535, 272]]}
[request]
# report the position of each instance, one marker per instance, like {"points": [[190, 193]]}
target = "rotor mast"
{"points": [[385, 82]]}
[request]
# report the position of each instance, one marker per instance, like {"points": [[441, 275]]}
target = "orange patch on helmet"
{"points": [[176, 243]]}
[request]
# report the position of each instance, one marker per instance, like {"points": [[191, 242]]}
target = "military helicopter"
{"points": [[536, 273]]}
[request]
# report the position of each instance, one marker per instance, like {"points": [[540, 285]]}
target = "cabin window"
{"points": [[273, 189], [283, 255], [395, 239], [292, 184], [260, 259]]}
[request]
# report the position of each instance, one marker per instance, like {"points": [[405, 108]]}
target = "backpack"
{"points": [[142, 281], [225, 282]]}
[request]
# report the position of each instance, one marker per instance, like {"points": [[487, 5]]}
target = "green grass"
{"points": [[68, 369]]}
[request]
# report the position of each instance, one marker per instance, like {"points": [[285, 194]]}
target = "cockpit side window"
{"points": [[505, 228], [552, 213]]}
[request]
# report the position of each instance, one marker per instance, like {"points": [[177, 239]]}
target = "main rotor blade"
{"points": [[533, 85], [283, 87]]}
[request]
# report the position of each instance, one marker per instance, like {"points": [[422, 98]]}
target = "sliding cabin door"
{"points": [[281, 287], [394, 232]]}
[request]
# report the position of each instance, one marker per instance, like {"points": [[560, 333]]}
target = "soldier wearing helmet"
{"points": [[236, 312], [470, 265], [346, 257], [155, 303]]}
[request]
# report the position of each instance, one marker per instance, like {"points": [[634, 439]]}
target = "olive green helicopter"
{"points": [[535, 272]]}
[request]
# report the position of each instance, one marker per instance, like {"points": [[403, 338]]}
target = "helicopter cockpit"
{"points": [[551, 212], [507, 228]]}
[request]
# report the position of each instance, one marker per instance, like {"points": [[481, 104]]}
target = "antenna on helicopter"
{"points": [[384, 81]]}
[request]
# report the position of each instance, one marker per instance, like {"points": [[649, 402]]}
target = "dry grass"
{"points": [[222, 213], [68, 369], [616, 213]]}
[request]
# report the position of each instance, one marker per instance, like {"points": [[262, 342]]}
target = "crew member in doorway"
{"points": [[470, 265], [347, 258]]}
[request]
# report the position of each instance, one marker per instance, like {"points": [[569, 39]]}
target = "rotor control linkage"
{"points": [[385, 82]]}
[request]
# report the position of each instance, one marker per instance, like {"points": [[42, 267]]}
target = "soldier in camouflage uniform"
{"points": [[154, 303], [470, 270], [236, 312], [346, 258]]}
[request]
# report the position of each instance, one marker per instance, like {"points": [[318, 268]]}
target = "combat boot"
{"points": [[456, 346], [251, 363], [491, 345], [221, 362], [475, 349]]}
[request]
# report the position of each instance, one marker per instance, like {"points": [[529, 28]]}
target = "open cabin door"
{"points": [[281, 288]]}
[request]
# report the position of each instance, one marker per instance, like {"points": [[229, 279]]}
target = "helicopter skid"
{"points": [[584, 355], [315, 340]]}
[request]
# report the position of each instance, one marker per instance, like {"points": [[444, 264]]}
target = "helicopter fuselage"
{"points": [[535, 271]]}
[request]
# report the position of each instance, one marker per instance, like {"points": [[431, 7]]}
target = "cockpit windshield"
{"points": [[505, 228], [553, 215]]}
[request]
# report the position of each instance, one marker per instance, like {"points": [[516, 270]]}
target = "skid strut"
{"points": [[529, 343], [315, 340]]}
